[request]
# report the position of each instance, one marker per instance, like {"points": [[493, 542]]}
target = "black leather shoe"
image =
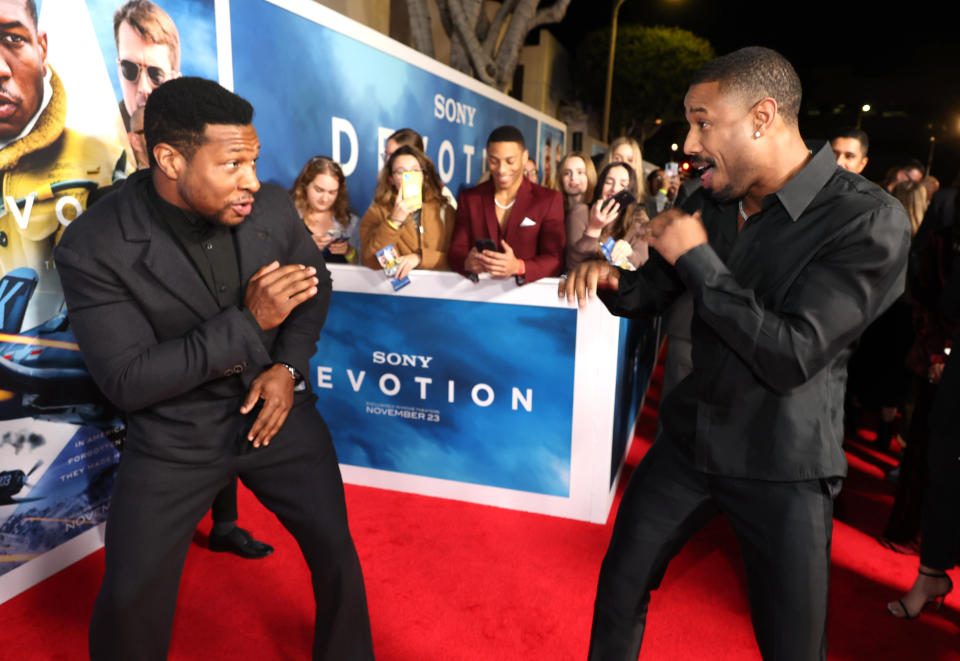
{"points": [[240, 542]]}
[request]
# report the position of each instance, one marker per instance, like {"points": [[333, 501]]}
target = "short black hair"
{"points": [[755, 73], [507, 133], [179, 111], [854, 134]]}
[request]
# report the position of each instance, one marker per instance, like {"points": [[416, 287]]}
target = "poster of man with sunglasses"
{"points": [[141, 41], [148, 53]]}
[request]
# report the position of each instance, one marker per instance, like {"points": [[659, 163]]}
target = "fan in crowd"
{"points": [[320, 196], [420, 234], [608, 219], [411, 138]]}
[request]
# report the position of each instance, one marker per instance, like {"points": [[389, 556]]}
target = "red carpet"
{"points": [[450, 581]]}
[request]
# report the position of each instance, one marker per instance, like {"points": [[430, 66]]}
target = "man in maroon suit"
{"points": [[523, 220]]}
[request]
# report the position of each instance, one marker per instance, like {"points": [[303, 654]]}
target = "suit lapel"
{"points": [[166, 259], [490, 213], [254, 246], [518, 213]]}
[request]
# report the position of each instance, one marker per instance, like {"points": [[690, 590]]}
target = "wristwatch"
{"points": [[294, 374]]}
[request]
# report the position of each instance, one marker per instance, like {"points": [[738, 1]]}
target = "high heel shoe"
{"points": [[936, 600]]}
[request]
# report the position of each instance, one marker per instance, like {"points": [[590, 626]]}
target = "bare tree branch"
{"points": [[509, 51], [506, 9], [444, 12], [552, 14], [484, 67], [420, 29], [475, 44]]}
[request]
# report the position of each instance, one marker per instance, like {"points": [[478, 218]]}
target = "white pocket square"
{"points": [[528, 222]]}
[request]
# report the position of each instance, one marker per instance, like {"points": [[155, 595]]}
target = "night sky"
{"points": [[903, 62]]}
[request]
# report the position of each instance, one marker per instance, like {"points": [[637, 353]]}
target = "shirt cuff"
{"points": [[699, 265]]}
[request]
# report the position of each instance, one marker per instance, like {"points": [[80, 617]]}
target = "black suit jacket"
{"points": [[152, 333]]}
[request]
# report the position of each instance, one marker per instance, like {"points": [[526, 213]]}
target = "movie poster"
{"points": [[60, 148]]}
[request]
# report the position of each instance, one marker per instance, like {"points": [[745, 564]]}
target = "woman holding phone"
{"points": [[320, 195], [409, 212], [615, 215]]}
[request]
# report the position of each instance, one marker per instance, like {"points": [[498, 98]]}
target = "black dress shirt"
{"points": [[210, 246], [777, 305]]}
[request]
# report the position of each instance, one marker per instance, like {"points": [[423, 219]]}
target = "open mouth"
{"points": [[242, 208], [704, 170]]}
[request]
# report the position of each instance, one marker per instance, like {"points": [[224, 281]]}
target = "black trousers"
{"points": [[784, 531], [224, 506], [940, 542], [157, 504]]}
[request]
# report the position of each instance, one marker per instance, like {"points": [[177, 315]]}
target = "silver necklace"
{"points": [[504, 206], [743, 214]]}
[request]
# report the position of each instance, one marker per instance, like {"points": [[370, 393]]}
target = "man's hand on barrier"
{"points": [[583, 282]]}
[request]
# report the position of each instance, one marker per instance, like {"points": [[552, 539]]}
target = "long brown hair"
{"points": [[328, 166], [386, 195], [591, 177], [627, 217]]}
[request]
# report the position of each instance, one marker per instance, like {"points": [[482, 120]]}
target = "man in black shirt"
{"points": [[788, 258]]}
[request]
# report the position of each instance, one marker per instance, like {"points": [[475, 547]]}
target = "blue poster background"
{"points": [[503, 346], [319, 74], [551, 150], [70, 497]]}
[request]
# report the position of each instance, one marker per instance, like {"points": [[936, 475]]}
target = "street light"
{"points": [[609, 92]]}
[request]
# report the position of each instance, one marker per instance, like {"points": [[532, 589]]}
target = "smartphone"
{"points": [[485, 244], [411, 188], [672, 169], [624, 198]]}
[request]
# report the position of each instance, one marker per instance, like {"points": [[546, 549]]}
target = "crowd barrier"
{"points": [[488, 392]]}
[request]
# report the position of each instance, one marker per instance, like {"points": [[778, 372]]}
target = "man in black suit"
{"points": [[197, 299]]}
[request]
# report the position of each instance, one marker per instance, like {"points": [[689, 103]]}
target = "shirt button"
{"points": [[208, 245], [223, 288], [3, 239]]}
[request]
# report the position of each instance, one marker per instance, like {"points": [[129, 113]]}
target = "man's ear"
{"points": [[764, 113], [170, 161]]}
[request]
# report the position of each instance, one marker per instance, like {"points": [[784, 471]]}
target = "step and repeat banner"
{"points": [[320, 84]]}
